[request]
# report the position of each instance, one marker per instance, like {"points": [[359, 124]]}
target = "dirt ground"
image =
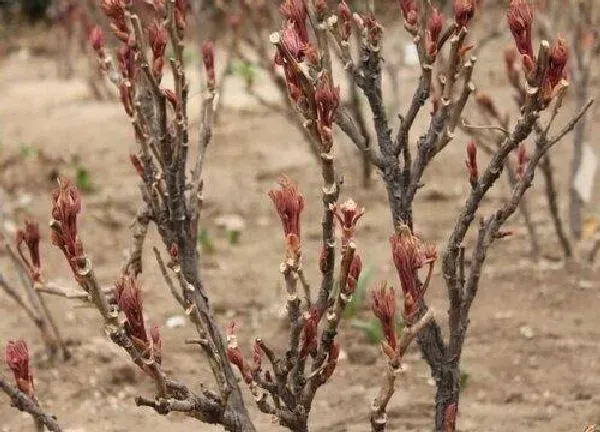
{"points": [[532, 352]]}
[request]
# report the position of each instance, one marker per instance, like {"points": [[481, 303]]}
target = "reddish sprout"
{"points": [[327, 99], [157, 37], [126, 62], [463, 12], [409, 256], [289, 203], [130, 302], [115, 11], [374, 29], [235, 357], [234, 354], [348, 215], [31, 237], [97, 38], [345, 18], [295, 12], [383, 305], [522, 160], [471, 163], [353, 274], [332, 359], [17, 359], [208, 57], [434, 29], [559, 55], [321, 7], [410, 12], [308, 344], [292, 42], [181, 7], [435, 24], [66, 205], [520, 20]]}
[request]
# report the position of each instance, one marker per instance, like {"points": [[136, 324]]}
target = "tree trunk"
{"points": [[235, 401], [446, 398]]}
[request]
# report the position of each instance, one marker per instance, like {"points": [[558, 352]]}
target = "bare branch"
{"points": [[24, 403], [380, 403]]}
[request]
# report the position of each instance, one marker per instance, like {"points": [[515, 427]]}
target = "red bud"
{"points": [[208, 57]]}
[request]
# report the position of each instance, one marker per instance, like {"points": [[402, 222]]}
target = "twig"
{"points": [[133, 263], [35, 304], [205, 137], [380, 403], [12, 293], [167, 278], [24, 403]]}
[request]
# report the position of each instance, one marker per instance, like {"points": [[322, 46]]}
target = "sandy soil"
{"points": [[533, 347]]}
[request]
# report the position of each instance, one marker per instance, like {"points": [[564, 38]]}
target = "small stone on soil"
{"points": [[526, 332]]}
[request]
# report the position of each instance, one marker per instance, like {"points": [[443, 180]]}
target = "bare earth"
{"points": [[532, 352]]}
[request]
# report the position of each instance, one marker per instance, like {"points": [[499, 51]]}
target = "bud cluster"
{"points": [[313, 94], [289, 204], [31, 237], [520, 21], [235, 356], [66, 206], [17, 359], [128, 298], [409, 256]]}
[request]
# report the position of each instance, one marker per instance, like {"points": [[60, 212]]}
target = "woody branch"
{"points": [[402, 173], [160, 121]]}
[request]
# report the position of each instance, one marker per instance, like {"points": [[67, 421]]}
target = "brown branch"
{"points": [[41, 314], [12, 293], [205, 407], [133, 263], [358, 136], [167, 278], [330, 194], [511, 175], [24, 403], [379, 407], [206, 127], [551, 195]]}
